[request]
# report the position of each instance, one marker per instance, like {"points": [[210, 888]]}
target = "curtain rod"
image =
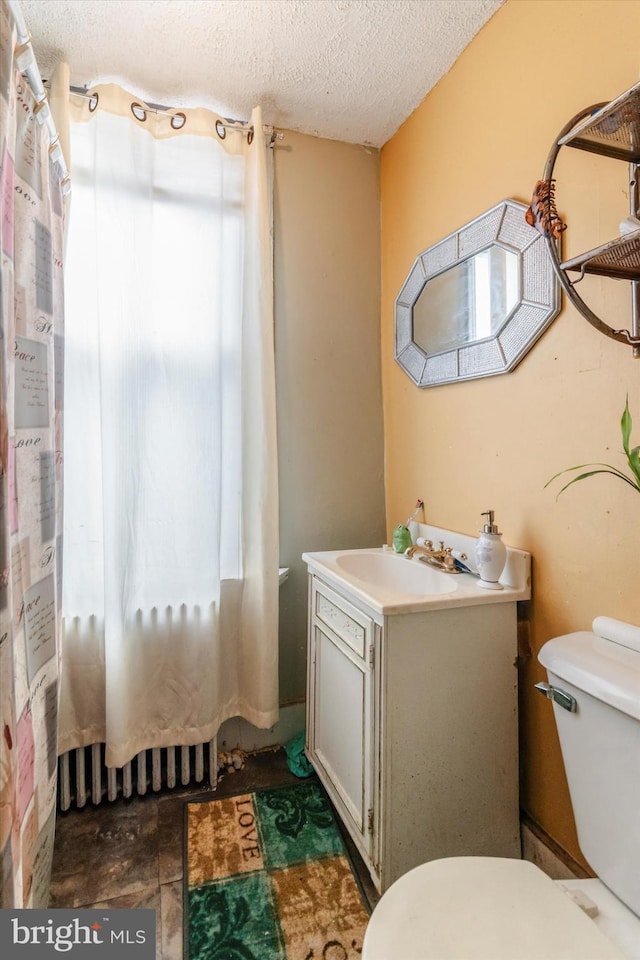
{"points": [[227, 123], [25, 60]]}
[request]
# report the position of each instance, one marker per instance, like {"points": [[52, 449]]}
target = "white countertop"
{"points": [[465, 589]]}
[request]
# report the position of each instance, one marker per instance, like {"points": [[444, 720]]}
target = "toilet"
{"points": [[485, 908]]}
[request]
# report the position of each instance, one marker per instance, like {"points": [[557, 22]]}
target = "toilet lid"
{"points": [[481, 908]]}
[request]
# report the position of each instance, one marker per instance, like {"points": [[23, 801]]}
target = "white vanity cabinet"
{"points": [[340, 707], [412, 726]]}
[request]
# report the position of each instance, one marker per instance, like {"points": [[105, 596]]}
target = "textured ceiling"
{"points": [[348, 70]]}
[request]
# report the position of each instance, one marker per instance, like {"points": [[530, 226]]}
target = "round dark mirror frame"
{"points": [[538, 301]]}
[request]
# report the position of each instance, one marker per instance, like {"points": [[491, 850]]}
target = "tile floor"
{"points": [[130, 853]]}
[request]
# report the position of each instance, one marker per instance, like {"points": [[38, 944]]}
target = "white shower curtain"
{"points": [[170, 586], [31, 352]]}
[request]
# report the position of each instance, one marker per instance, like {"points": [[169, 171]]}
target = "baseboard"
{"points": [[237, 732], [539, 848]]}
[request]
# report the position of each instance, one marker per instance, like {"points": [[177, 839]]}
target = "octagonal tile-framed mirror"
{"points": [[476, 302]]}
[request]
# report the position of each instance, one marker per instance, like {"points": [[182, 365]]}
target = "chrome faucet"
{"points": [[441, 558]]}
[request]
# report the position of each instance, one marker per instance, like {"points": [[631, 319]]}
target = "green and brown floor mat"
{"points": [[268, 878]]}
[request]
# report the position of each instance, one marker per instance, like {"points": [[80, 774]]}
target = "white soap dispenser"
{"points": [[491, 554]]}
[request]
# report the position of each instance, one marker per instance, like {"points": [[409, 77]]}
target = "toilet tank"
{"points": [[600, 744]]}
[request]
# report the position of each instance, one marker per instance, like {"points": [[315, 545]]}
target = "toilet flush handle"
{"points": [[561, 697]]}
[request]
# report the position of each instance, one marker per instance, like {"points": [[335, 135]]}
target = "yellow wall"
{"points": [[480, 136]]}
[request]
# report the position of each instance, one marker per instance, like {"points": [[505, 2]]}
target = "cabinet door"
{"points": [[340, 727]]}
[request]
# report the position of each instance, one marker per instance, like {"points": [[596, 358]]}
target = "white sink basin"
{"points": [[387, 583], [395, 574]]}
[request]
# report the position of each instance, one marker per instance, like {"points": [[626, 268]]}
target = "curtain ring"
{"points": [[178, 121], [250, 136], [55, 150], [93, 102], [220, 129], [139, 112]]}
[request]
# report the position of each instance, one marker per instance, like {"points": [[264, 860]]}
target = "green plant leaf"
{"points": [[592, 473], [633, 456], [591, 469], [634, 463], [626, 423], [608, 468]]}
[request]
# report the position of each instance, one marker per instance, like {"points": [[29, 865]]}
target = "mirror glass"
{"points": [[474, 303], [469, 302]]}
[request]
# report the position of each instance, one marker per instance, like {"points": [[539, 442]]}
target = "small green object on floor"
{"points": [[296, 758]]}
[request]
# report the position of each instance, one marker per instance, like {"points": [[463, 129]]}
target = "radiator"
{"points": [[83, 776]]}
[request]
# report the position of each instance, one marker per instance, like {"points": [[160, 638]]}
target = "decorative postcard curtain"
{"points": [[31, 347], [170, 598]]}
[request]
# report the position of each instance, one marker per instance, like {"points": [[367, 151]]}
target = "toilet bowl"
{"points": [[484, 908]]}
